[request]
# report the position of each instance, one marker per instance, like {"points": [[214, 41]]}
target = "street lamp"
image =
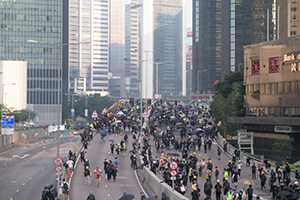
{"points": [[157, 63], [29, 96], [58, 84], [198, 79], [3, 84], [58, 79]]}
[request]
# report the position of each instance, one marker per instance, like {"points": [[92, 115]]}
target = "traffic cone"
{"points": [[28, 144], [37, 144], [51, 140], [42, 143], [70, 174], [54, 139], [46, 141]]}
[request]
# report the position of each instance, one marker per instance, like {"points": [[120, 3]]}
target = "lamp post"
{"points": [[29, 97], [4, 136], [58, 46], [157, 63], [198, 79], [58, 79]]}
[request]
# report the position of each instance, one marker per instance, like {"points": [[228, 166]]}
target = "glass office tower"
{"points": [[39, 20]]}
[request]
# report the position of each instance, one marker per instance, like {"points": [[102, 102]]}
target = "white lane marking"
{"points": [[13, 181], [105, 185], [42, 169], [17, 190], [17, 156], [44, 147], [23, 183], [11, 199], [108, 195]]}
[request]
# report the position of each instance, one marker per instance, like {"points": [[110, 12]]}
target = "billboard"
{"points": [[189, 46]]}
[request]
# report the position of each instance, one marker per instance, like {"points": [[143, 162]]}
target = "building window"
{"points": [[293, 33], [287, 87], [255, 67], [273, 65]]}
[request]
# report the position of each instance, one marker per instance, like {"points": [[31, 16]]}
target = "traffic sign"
{"points": [[173, 173], [58, 168], [94, 114], [173, 165], [58, 161], [72, 112], [8, 122]]}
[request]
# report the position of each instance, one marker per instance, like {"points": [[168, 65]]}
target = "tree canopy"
{"points": [[229, 101]]}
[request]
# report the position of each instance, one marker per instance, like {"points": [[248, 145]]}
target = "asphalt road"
{"points": [[28, 169], [125, 182]]}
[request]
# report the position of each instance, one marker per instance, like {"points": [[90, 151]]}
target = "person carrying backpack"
{"points": [[91, 196], [97, 174], [65, 187], [216, 172], [87, 175], [218, 190]]}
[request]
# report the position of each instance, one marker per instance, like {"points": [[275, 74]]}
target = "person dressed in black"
{"points": [[91, 196], [207, 187], [218, 190], [249, 192], [253, 167], [112, 146]]}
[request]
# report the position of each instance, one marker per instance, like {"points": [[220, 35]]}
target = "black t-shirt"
{"points": [[91, 197]]}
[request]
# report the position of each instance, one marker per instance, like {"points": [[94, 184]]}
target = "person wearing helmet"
{"points": [[97, 173], [263, 179], [209, 142], [226, 185], [53, 192], [133, 161], [194, 193], [218, 190], [207, 186], [87, 175], [225, 145], [230, 194]]}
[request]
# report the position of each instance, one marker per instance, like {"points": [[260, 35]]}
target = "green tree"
{"points": [[285, 147], [229, 101], [23, 115]]}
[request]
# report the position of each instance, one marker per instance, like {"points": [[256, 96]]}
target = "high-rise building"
{"points": [[117, 37], [162, 40], [40, 21], [168, 37], [132, 45], [288, 17], [243, 23], [206, 45], [89, 63], [189, 66]]}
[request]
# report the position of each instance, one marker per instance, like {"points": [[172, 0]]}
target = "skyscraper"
{"points": [[89, 63], [288, 13], [162, 40], [206, 45], [243, 23], [132, 45], [40, 21]]}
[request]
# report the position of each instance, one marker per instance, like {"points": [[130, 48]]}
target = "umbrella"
{"points": [[120, 113], [151, 198], [189, 125], [187, 106], [111, 140], [295, 195], [194, 136], [200, 129], [127, 197], [103, 133], [177, 124], [92, 129], [110, 116], [132, 151], [195, 131], [279, 163], [261, 165], [246, 182], [173, 154], [165, 129], [192, 100], [284, 193]]}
